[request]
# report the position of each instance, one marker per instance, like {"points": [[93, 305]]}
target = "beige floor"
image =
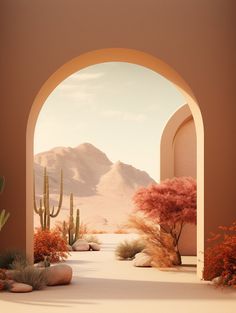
{"points": [[103, 284]]}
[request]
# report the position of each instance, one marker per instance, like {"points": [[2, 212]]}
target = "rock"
{"points": [[142, 260], [60, 274], [217, 280], [42, 264], [94, 246], [80, 245], [10, 274], [69, 248], [20, 287]]}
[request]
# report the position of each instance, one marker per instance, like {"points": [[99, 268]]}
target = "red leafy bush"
{"points": [[49, 243], [220, 257], [170, 204]]}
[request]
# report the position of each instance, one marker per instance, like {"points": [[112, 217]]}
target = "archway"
{"points": [[115, 55]]}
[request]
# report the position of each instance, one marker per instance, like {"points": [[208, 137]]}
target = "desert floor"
{"points": [[103, 284]]}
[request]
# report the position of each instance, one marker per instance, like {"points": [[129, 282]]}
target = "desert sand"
{"points": [[102, 284]]}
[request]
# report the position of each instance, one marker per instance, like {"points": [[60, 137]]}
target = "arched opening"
{"points": [[111, 55]]}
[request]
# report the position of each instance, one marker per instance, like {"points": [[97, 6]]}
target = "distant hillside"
{"points": [[102, 190]]}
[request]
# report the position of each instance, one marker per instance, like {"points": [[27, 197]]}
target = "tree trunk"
{"points": [[177, 258]]}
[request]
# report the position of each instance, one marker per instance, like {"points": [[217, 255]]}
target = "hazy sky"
{"points": [[120, 108]]}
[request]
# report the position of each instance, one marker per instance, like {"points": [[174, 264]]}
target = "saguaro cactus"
{"points": [[73, 228], [44, 211]]}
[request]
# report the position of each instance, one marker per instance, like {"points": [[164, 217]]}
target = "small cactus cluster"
{"points": [[3, 214], [71, 232], [44, 211]]}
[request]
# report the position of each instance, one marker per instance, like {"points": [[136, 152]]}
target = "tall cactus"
{"points": [[3, 214], [44, 211], [73, 228]]}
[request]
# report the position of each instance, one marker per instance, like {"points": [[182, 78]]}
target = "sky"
{"points": [[120, 108]]}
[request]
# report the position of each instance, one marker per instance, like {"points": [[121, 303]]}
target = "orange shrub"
{"points": [[49, 243], [220, 257]]}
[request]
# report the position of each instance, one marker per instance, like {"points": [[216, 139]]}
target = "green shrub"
{"points": [[126, 250], [32, 276]]}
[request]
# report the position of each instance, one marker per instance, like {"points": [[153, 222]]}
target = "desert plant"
{"points": [[126, 250], [44, 211], [19, 263], [8, 257], [73, 228], [159, 244], [170, 204], [91, 238], [63, 228], [32, 276], [220, 257], [51, 244]]}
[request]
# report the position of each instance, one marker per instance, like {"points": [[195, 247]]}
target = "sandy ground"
{"points": [[103, 284]]}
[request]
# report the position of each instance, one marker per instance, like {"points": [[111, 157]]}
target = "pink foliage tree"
{"points": [[171, 204]]}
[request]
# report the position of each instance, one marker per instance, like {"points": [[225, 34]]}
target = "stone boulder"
{"points": [[59, 274], [94, 246], [142, 260], [217, 280], [80, 245], [69, 248], [20, 287]]}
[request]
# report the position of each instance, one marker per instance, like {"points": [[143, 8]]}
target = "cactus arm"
{"points": [[48, 222], [71, 222], [45, 188], [3, 218], [71, 204], [52, 214], [61, 191], [41, 212], [35, 203], [44, 226], [77, 224], [64, 231], [73, 228]]}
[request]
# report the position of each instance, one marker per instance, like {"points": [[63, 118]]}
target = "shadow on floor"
{"points": [[84, 290]]}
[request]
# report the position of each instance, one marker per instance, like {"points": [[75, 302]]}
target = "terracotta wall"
{"points": [[195, 38]]}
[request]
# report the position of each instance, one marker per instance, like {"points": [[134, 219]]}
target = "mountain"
{"points": [[102, 190], [82, 167]]}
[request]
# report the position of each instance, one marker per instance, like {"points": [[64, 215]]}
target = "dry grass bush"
{"points": [[30, 275], [91, 238], [8, 257], [159, 244], [83, 229], [126, 250]]}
